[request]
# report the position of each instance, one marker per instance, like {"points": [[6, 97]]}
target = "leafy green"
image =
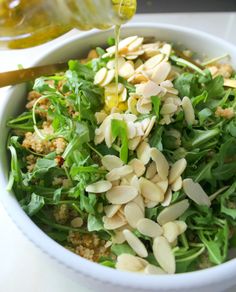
{"points": [[119, 249], [156, 101], [94, 223], [119, 129], [36, 203]]}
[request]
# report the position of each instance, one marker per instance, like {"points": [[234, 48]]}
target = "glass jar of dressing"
{"points": [[27, 23]]}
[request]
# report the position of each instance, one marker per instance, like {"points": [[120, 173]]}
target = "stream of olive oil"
{"points": [[117, 39]]}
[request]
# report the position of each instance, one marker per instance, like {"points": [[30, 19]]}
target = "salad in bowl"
{"points": [[136, 173]]}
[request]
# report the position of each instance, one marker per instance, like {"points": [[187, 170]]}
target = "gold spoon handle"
{"points": [[24, 75]]}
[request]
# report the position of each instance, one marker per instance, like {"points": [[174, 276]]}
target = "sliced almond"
{"points": [[139, 129], [149, 228], [121, 194], [128, 262], [139, 201], [151, 89], [170, 231], [118, 173], [133, 57], [135, 44], [111, 210], [118, 236], [164, 255], [109, 77], [166, 49], [188, 111], [129, 117], [182, 226], [150, 204], [138, 78], [177, 169], [138, 63], [100, 116], [135, 183], [100, 76], [138, 166], [108, 135], [195, 192], [76, 222], [98, 138], [151, 191], [150, 126], [133, 143], [161, 163], [111, 88], [132, 102], [163, 185], [177, 184], [172, 212], [230, 83], [143, 108], [133, 213], [168, 198], [111, 161], [112, 63], [161, 72], [126, 70], [135, 243], [145, 123], [153, 270], [115, 183], [123, 95], [99, 187], [140, 88], [114, 222], [168, 109], [136, 53], [153, 61], [126, 42], [156, 179], [151, 170], [143, 152], [131, 130]]}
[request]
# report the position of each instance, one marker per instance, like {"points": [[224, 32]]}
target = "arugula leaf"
{"points": [[111, 41], [156, 101], [200, 98], [78, 140], [15, 169], [119, 249], [41, 86], [82, 70], [42, 166], [203, 115], [94, 223], [156, 138], [119, 129], [228, 202], [36, 203], [215, 87], [187, 85]]}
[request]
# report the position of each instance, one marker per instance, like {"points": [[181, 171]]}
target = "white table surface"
{"points": [[23, 267]]}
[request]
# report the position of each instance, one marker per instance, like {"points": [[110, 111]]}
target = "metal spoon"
{"points": [[24, 75]]}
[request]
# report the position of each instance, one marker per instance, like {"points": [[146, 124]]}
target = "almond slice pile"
{"points": [[149, 179], [146, 66]]}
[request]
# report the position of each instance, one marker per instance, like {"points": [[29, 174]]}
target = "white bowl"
{"points": [[86, 273]]}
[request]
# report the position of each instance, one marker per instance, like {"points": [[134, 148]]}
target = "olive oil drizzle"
{"points": [[117, 39]]}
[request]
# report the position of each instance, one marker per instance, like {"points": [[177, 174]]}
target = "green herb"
{"points": [[119, 129]]}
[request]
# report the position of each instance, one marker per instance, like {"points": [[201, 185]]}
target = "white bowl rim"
{"points": [[98, 272]]}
